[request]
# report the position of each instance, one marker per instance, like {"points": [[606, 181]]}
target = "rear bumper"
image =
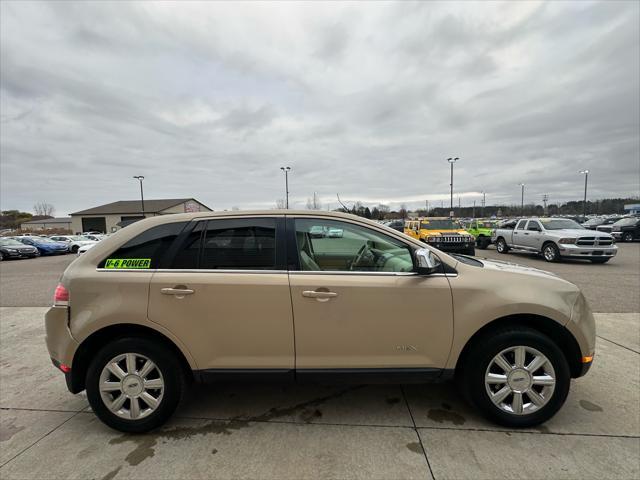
{"points": [[60, 342]]}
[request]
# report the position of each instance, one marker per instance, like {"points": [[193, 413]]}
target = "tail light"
{"points": [[61, 296]]}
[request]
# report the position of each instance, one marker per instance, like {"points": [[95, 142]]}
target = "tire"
{"points": [[1, 256], [599, 260], [501, 245], [167, 372], [483, 242], [627, 237], [470, 251], [550, 252], [481, 361], [75, 249]]}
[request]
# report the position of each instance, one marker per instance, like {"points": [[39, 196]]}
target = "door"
{"points": [[358, 304], [94, 224], [225, 293], [519, 233], [532, 236]]}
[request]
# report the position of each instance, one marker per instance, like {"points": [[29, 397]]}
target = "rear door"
{"points": [[225, 293], [519, 234]]}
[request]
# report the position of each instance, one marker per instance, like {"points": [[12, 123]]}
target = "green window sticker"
{"points": [[128, 263]]}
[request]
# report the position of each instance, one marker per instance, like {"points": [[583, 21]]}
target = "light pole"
{"points": [[522, 200], [286, 184], [140, 178], [451, 162], [584, 206], [484, 201]]}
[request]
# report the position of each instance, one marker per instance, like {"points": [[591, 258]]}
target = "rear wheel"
{"points": [[550, 252], [501, 246], [516, 377], [134, 385]]}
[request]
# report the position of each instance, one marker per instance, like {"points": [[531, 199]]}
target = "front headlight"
{"points": [[567, 241], [433, 239]]}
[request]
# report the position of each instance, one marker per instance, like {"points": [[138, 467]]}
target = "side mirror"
{"points": [[428, 263]]}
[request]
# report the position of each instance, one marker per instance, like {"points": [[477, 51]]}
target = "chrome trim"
{"points": [[214, 270], [290, 272]]}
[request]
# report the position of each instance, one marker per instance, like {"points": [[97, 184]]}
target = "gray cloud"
{"points": [[209, 99]]}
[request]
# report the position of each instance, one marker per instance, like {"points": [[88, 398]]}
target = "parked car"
{"points": [[84, 248], [444, 233], [74, 242], [396, 225], [626, 229], [227, 296], [556, 238], [11, 248], [595, 223], [95, 237], [482, 230], [45, 246]]}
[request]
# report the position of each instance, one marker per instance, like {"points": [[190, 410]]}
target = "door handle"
{"points": [[179, 292], [526, 233], [321, 296]]}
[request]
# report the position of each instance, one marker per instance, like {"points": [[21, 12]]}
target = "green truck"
{"points": [[482, 230]]}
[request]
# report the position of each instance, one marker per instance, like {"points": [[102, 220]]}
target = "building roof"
{"points": [[48, 220], [134, 206]]}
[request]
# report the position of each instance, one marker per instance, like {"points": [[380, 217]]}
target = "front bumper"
{"points": [[575, 251], [453, 247]]}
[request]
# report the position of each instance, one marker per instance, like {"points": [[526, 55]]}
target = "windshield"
{"points": [[443, 224], [560, 224], [594, 221], [5, 242], [626, 221], [41, 240]]}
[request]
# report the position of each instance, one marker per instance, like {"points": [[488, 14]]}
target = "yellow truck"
{"points": [[446, 234]]}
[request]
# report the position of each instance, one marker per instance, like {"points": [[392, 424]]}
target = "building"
{"points": [[632, 209], [47, 223], [108, 218]]}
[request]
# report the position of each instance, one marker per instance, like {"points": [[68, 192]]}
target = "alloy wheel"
{"points": [[520, 380], [131, 386], [549, 253]]}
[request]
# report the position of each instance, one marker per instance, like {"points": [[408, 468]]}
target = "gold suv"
{"points": [[308, 296]]}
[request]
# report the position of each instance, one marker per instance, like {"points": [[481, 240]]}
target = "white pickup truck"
{"points": [[555, 238]]}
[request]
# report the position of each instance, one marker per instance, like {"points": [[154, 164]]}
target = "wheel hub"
{"points": [[519, 380], [132, 385]]}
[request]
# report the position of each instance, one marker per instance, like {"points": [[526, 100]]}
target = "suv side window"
{"points": [[245, 244], [150, 245], [229, 244], [330, 245], [521, 224]]}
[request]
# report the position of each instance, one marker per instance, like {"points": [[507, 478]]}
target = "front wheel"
{"points": [[75, 249], [550, 252], [517, 377], [627, 237], [483, 242], [134, 385], [501, 246], [470, 251]]}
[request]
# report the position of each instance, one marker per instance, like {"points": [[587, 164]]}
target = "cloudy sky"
{"points": [[208, 100]]}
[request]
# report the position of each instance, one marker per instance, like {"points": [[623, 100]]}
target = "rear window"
{"points": [[145, 250]]}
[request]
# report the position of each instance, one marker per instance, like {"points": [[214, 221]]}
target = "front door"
{"points": [[225, 295], [532, 237], [358, 304]]}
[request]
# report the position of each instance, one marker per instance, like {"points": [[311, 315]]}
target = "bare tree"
{"points": [[280, 204], [403, 211], [44, 209], [313, 203]]}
